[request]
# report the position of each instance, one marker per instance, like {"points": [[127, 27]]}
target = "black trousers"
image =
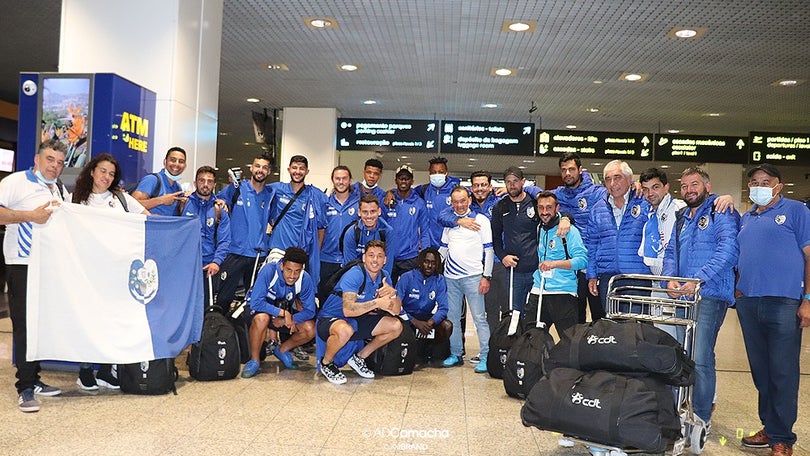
{"points": [[235, 269], [27, 371]]}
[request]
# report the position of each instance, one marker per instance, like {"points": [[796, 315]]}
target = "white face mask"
{"points": [[438, 180], [172, 177], [761, 196]]}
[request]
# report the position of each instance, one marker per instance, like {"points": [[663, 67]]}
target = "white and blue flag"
{"points": [[112, 287]]}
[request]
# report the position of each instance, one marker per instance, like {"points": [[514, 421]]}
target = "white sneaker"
{"points": [[359, 365]]}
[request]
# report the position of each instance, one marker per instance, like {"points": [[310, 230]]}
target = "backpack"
{"points": [[181, 206], [397, 357], [129, 188], [356, 234], [335, 278], [120, 195], [217, 355], [156, 376]]}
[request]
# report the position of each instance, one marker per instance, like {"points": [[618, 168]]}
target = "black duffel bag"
{"points": [[605, 408], [626, 346], [525, 362], [397, 357]]}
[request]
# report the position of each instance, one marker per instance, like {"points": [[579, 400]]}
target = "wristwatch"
{"points": [[807, 296], [487, 277]]}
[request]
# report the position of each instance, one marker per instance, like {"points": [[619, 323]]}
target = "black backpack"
{"points": [[335, 278], [499, 344], [525, 362], [148, 377], [397, 357], [356, 226], [217, 355]]}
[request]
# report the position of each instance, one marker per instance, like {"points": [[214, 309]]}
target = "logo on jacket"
{"points": [[594, 339], [209, 222], [351, 211], [703, 222], [580, 399], [143, 280], [780, 219], [635, 211], [412, 210], [432, 294], [530, 212], [582, 203], [551, 244], [447, 201], [521, 372]]}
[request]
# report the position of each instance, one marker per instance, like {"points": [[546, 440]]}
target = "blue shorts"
{"points": [[362, 325]]}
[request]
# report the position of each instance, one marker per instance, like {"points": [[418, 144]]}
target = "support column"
{"points": [[310, 132], [171, 47]]}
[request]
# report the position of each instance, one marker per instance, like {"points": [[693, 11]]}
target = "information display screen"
{"points": [[779, 148], [387, 135], [595, 144], [701, 149], [502, 138]]}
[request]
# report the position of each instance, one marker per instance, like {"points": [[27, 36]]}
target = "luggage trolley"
{"points": [[624, 303]]}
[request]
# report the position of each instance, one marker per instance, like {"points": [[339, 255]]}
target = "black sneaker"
{"points": [[86, 380], [333, 374], [300, 354], [107, 377], [42, 389], [359, 365]]}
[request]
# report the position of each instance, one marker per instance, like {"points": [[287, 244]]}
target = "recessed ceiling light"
{"points": [[348, 67], [528, 161], [598, 81], [469, 165], [252, 100], [633, 77], [224, 133], [664, 166], [596, 164], [502, 71], [790, 191], [228, 158], [790, 184], [712, 114], [673, 131], [521, 167], [686, 32], [403, 156], [489, 105], [592, 110], [246, 143], [788, 82], [278, 67], [370, 102], [570, 127], [472, 159], [519, 26], [321, 23]]}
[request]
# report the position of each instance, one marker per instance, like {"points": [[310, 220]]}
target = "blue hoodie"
{"points": [[249, 217], [409, 224], [210, 229], [579, 201], [337, 216], [436, 200], [357, 236], [421, 295]]}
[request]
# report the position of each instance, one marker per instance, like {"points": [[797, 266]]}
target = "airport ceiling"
{"points": [[432, 59]]}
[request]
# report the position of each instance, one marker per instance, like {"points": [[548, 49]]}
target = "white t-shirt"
{"points": [[108, 200], [466, 252], [22, 191]]}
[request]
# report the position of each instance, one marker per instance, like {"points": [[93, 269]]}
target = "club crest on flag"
{"points": [[143, 280]]}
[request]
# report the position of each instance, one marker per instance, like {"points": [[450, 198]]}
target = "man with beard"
{"points": [[368, 227], [409, 224], [215, 224], [160, 192], [339, 211], [372, 171], [248, 204], [295, 216], [703, 245]]}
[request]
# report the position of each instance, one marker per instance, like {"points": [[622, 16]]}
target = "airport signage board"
{"points": [[701, 149], [387, 135], [779, 148], [472, 137], [595, 144]]}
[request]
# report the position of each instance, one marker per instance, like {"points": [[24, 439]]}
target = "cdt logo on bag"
{"points": [[579, 399], [594, 339], [143, 280]]}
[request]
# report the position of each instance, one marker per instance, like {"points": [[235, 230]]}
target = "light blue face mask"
{"points": [[366, 185], [42, 178], [173, 178], [761, 196], [438, 180]]}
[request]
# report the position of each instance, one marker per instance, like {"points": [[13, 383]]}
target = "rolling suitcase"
{"points": [[504, 336]]}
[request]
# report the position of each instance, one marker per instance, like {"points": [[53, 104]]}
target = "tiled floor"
{"points": [[434, 411]]}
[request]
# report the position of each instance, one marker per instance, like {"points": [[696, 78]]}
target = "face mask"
{"points": [[172, 177], [437, 180], [42, 178], [366, 185], [761, 196]]}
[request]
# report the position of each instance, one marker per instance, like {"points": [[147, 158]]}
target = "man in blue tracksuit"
{"points": [[372, 171], [704, 246], [407, 216], [339, 211], [248, 204], [555, 280], [577, 196], [437, 197], [302, 223], [160, 192], [369, 227], [615, 229], [215, 224]]}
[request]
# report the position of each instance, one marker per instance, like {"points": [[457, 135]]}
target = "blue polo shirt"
{"points": [[149, 182], [300, 224], [351, 281], [249, 217]]}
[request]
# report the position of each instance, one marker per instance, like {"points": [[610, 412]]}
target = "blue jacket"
{"points": [[336, 217], [436, 200], [357, 236], [377, 191], [550, 248], [300, 224], [421, 295], [705, 247], [270, 291], [148, 185], [249, 217], [614, 250], [409, 225], [579, 201], [210, 228]]}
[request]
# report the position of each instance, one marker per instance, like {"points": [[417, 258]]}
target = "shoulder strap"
{"points": [[679, 221], [158, 186], [565, 247], [59, 187], [237, 190], [343, 235], [121, 198], [289, 205], [217, 218]]}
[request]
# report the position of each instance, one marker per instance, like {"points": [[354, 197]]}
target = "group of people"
{"points": [[411, 257]]}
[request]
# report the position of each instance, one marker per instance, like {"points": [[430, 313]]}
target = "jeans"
{"points": [[773, 339], [456, 289], [711, 314], [521, 286], [602, 288]]}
